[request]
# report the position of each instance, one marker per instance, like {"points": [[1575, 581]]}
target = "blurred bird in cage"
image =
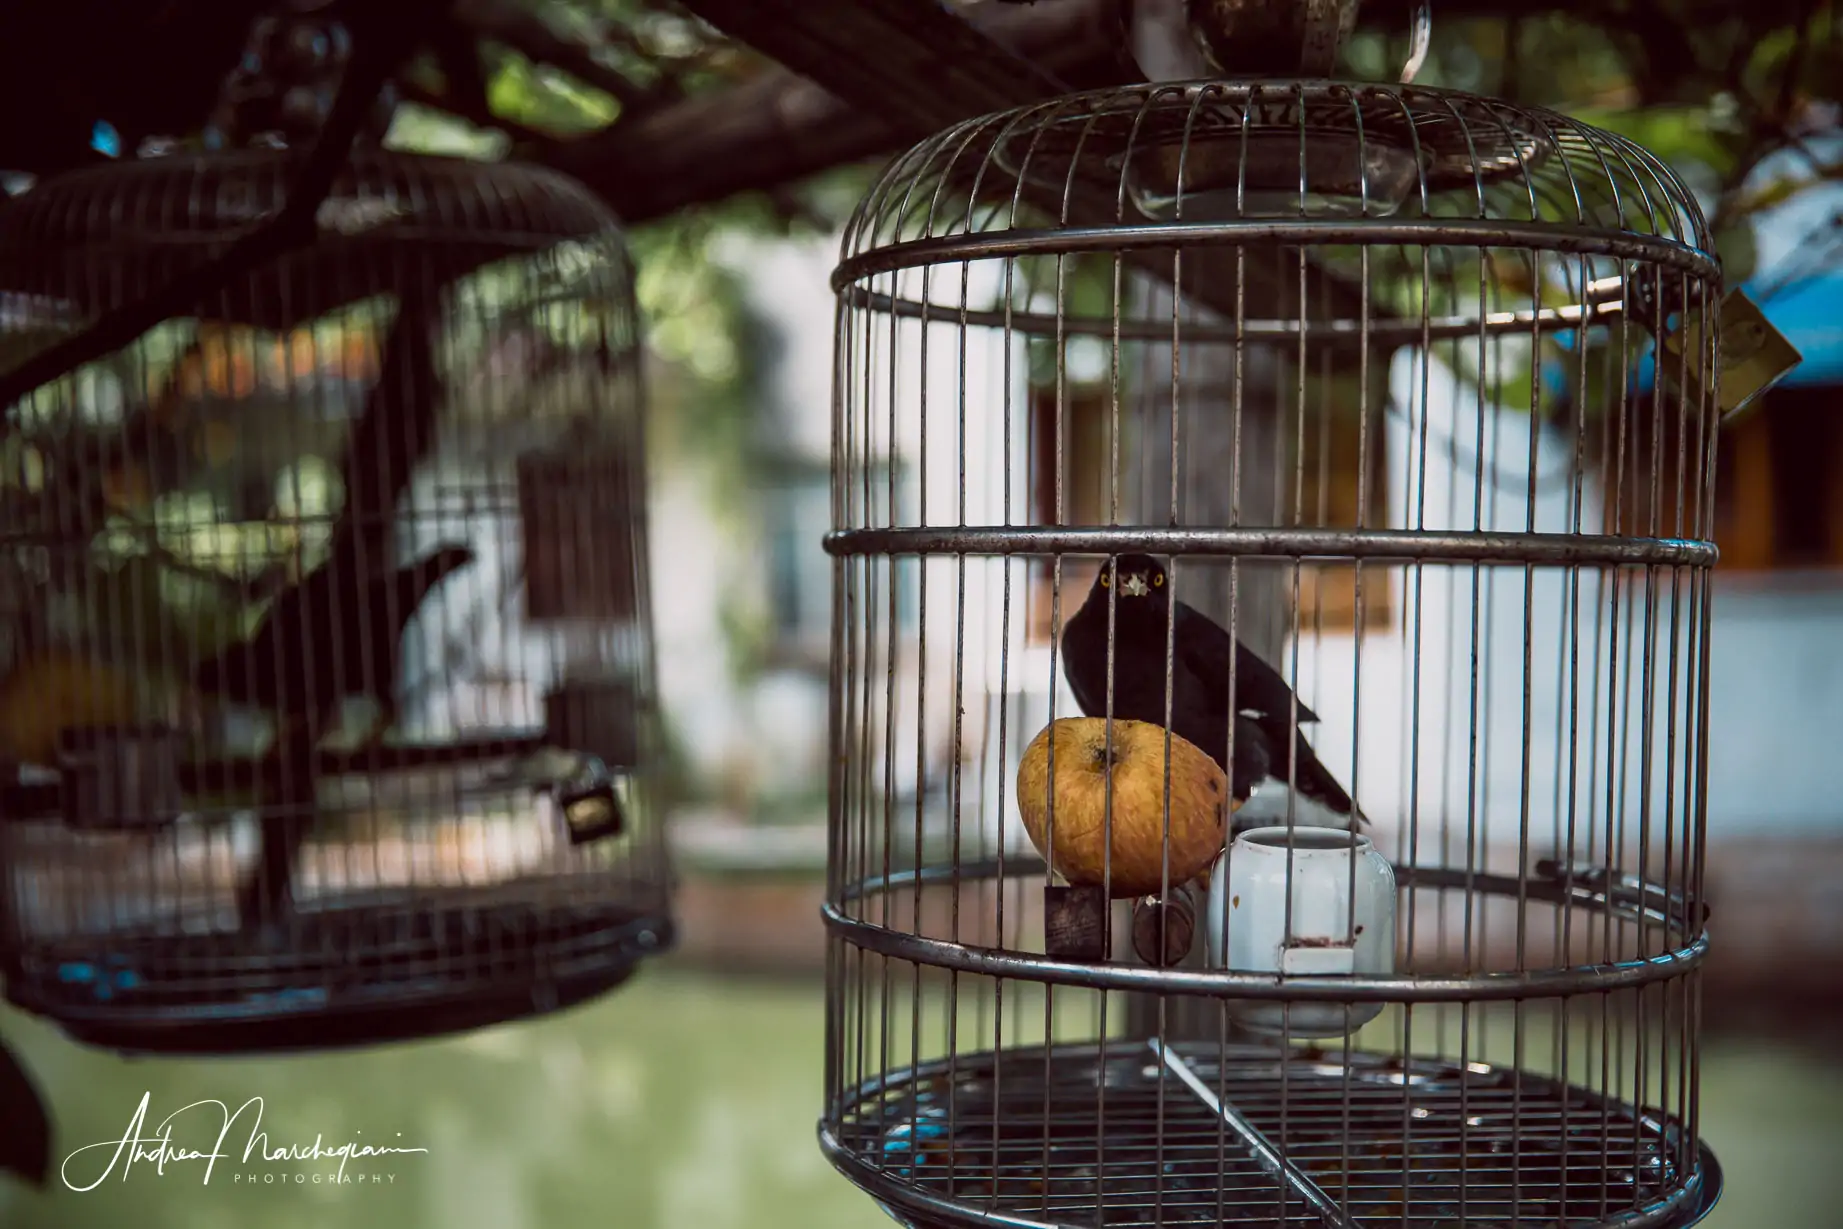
{"points": [[287, 668], [338, 630]]}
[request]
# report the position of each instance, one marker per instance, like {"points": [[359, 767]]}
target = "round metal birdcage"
{"points": [[1392, 914], [327, 705]]}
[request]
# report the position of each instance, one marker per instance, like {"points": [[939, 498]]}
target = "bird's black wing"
{"points": [[1311, 777], [1084, 660], [395, 598], [25, 1127], [270, 668], [1205, 648]]}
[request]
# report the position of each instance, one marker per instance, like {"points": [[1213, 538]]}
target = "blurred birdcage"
{"points": [[1409, 392], [326, 681]]}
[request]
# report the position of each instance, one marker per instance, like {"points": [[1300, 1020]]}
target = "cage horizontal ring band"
{"points": [[1214, 983], [1401, 330], [1546, 237], [1378, 545]]}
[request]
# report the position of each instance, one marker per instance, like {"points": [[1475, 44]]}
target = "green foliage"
{"points": [[545, 98], [676, 782], [748, 632], [1709, 88], [426, 131], [700, 331], [699, 325], [705, 389], [1082, 286]]}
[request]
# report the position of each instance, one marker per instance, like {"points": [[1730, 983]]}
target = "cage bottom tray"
{"points": [[1070, 1136], [358, 974]]}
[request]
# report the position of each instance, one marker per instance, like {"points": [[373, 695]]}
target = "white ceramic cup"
{"points": [[1333, 929]]}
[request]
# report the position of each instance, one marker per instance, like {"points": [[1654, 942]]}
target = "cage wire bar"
{"points": [[1403, 388], [326, 666]]}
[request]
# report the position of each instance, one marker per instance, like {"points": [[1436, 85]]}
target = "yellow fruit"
{"points": [[1136, 864]]}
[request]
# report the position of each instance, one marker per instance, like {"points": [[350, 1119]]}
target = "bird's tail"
{"points": [[411, 583], [1314, 780]]}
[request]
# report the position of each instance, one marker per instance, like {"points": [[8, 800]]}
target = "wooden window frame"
{"points": [[1327, 591]]}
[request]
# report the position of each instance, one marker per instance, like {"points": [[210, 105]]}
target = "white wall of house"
{"points": [[1776, 675], [767, 734], [788, 285], [774, 727]]}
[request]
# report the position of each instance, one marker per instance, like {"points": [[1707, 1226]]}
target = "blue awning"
{"points": [[1808, 312]]}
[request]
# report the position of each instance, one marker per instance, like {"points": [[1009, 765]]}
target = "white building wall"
{"points": [[1776, 674]]}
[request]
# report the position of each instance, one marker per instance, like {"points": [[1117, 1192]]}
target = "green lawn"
{"points": [[683, 1101]]}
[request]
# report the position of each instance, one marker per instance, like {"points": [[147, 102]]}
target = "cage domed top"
{"points": [[1335, 165], [101, 237]]}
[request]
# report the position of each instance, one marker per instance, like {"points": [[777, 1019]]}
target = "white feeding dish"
{"points": [[1333, 929]]}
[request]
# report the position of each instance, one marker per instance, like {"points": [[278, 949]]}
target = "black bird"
{"points": [[1200, 704], [337, 633]]}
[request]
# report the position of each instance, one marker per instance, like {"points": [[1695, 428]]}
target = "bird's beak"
{"points": [[1134, 585]]}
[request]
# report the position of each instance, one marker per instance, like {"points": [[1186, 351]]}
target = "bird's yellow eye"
{"points": [[1104, 581], [1157, 579]]}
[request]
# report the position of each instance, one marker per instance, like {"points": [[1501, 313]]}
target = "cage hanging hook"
{"points": [[1264, 38], [1267, 37]]}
